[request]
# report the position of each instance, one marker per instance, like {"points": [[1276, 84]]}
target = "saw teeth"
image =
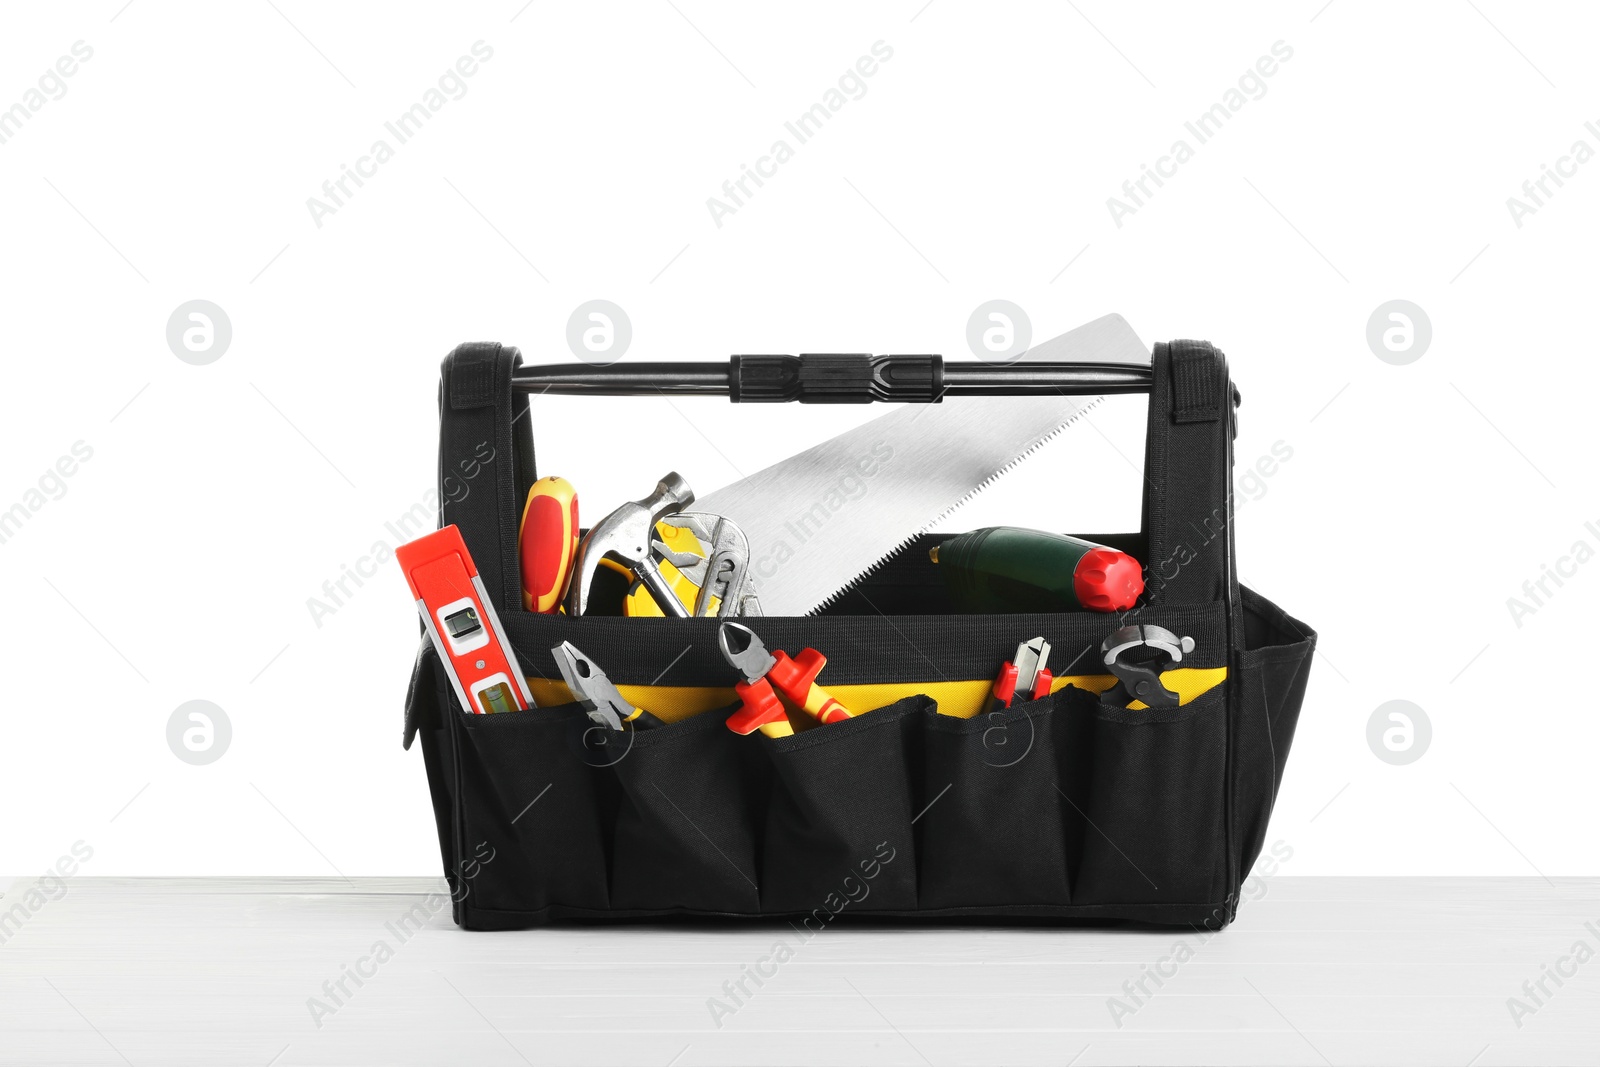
{"points": [[1083, 410]]}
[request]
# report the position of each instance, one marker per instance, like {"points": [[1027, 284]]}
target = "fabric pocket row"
{"points": [[1054, 802]]}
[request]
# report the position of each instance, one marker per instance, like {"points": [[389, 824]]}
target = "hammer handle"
{"points": [[668, 601]]}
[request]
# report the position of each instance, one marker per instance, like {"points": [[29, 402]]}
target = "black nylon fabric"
{"points": [[480, 451], [1188, 470], [860, 648], [688, 829], [842, 805], [1061, 809]]}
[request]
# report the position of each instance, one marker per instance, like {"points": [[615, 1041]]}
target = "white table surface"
{"points": [[219, 971]]}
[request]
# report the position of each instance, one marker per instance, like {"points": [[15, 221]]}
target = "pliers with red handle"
{"points": [[795, 678]]}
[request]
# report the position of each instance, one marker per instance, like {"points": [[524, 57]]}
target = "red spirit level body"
{"points": [[462, 622]]}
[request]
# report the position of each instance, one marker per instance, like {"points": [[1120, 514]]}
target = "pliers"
{"points": [[594, 690], [723, 573], [765, 671], [1026, 671], [1138, 655]]}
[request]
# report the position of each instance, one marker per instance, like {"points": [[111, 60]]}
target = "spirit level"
{"points": [[462, 623]]}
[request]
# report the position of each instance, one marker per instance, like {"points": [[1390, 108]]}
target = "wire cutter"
{"points": [[1026, 671], [765, 671], [594, 691]]}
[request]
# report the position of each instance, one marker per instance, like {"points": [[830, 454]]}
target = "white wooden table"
{"points": [[222, 971]]}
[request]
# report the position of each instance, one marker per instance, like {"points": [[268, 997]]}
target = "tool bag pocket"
{"points": [[999, 826], [532, 788], [1273, 670], [689, 823], [841, 806], [1154, 803]]}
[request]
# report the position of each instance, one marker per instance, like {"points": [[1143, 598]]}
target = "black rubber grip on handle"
{"points": [[836, 378]]}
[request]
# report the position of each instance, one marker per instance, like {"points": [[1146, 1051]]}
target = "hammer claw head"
{"points": [[625, 535], [672, 495]]}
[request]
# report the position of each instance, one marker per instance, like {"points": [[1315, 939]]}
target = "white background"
{"points": [[179, 561]]}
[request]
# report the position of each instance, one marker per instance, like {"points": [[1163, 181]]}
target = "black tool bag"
{"points": [[1062, 808]]}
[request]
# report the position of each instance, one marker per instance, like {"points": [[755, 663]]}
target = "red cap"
{"points": [[1107, 580]]}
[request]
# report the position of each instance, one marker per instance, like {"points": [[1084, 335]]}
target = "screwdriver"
{"points": [[1001, 569], [547, 539]]}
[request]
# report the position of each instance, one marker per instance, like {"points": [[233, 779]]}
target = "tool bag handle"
{"points": [[837, 378], [486, 462], [1188, 473], [486, 466]]}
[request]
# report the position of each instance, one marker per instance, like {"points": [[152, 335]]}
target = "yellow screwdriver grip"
{"points": [[547, 540]]}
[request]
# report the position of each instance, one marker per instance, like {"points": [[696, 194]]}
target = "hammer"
{"points": [[625, 535]]}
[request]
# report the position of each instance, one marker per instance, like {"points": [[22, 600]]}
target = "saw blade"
{"points": [[820, 520]]}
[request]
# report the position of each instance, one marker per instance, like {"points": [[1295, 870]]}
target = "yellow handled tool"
{"points": [[546, 542]]}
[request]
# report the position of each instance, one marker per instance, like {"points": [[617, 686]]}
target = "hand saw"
{"points": [[810, 540]]}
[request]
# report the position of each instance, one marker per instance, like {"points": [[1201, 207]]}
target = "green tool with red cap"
{"points": [[1003, 569]]}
